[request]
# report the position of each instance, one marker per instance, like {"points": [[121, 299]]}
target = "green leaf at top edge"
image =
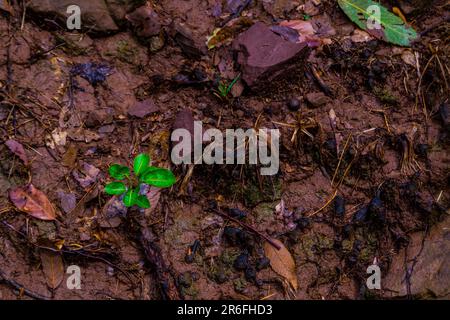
{"points": [[141, 162], [392, 28], [118, 171], [142, 201], [130, 197], [115, 188], [159, 177]]}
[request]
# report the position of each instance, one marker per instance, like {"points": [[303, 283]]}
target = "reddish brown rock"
{"points": [[265, 56], [145, 21], [190, 42], [95, 16]]}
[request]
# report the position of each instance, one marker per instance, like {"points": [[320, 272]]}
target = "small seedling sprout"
{"points": [[144, 174], [223, 90]]}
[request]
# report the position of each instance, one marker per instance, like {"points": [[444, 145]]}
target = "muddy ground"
{"points": [[364, 160]]}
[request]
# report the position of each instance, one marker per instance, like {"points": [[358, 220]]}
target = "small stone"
{"points": [[293, 104], [145, 21], [316, 99], [339, 206]]}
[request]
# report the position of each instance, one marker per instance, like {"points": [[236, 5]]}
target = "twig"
{"points": [[325, 88], [19, 287], [166, 282], [250, 228]]}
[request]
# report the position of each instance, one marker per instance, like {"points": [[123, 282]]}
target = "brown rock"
{"points": [[94, 13], [279, 8], [99, 117], [316, 99], [264, 56], [429, 266], [191, 44], [145, 21]]}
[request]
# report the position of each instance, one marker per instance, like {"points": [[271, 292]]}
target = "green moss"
{"points": [[228, 256], [126, 52], [239, 284], [264, 212], [385, 95], [191, 291], [252, 194]]}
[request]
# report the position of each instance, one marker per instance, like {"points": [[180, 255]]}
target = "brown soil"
{"points": [[388, 151]]}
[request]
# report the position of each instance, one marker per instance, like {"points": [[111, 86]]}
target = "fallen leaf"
{"points": [[30, 200], [112, 213], [360, 36], [90, 175], [68, 201], [221, 36], [409, 58], [378, 21], [53, 268], [282, 262], [69, 158], [305, 30], [5, 6], [17, 149]]}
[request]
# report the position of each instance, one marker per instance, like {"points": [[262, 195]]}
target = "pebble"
{"points": [[293, 104]]}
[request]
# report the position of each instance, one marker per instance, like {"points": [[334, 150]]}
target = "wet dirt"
{"points": [[361, 132]]}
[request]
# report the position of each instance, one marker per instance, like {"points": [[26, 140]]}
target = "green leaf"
{"points": [[118, 172], [378, 21], [158, 177], [130, 197], [147, 170], [115, 188], [140, 163], [142, 201]]}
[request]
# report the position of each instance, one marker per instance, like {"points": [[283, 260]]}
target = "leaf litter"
{"points": [[350, 165]]}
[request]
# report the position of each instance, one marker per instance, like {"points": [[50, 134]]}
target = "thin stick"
{"points": [[19, 287]]}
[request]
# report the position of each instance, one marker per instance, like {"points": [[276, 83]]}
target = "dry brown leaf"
{"points": [[5, 6], [30, 200], [53, 268], [282, 262], [70, 157]]}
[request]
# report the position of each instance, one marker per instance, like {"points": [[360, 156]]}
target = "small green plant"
{"points": [[223, 89], [143, 174]]}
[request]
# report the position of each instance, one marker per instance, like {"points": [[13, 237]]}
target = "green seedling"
{"points": [[224, 89], [144, 174]]}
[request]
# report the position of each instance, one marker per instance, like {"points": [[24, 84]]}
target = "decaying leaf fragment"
{"points": [[53, 268], [30, 200], [282, 262], [17, 149]]}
